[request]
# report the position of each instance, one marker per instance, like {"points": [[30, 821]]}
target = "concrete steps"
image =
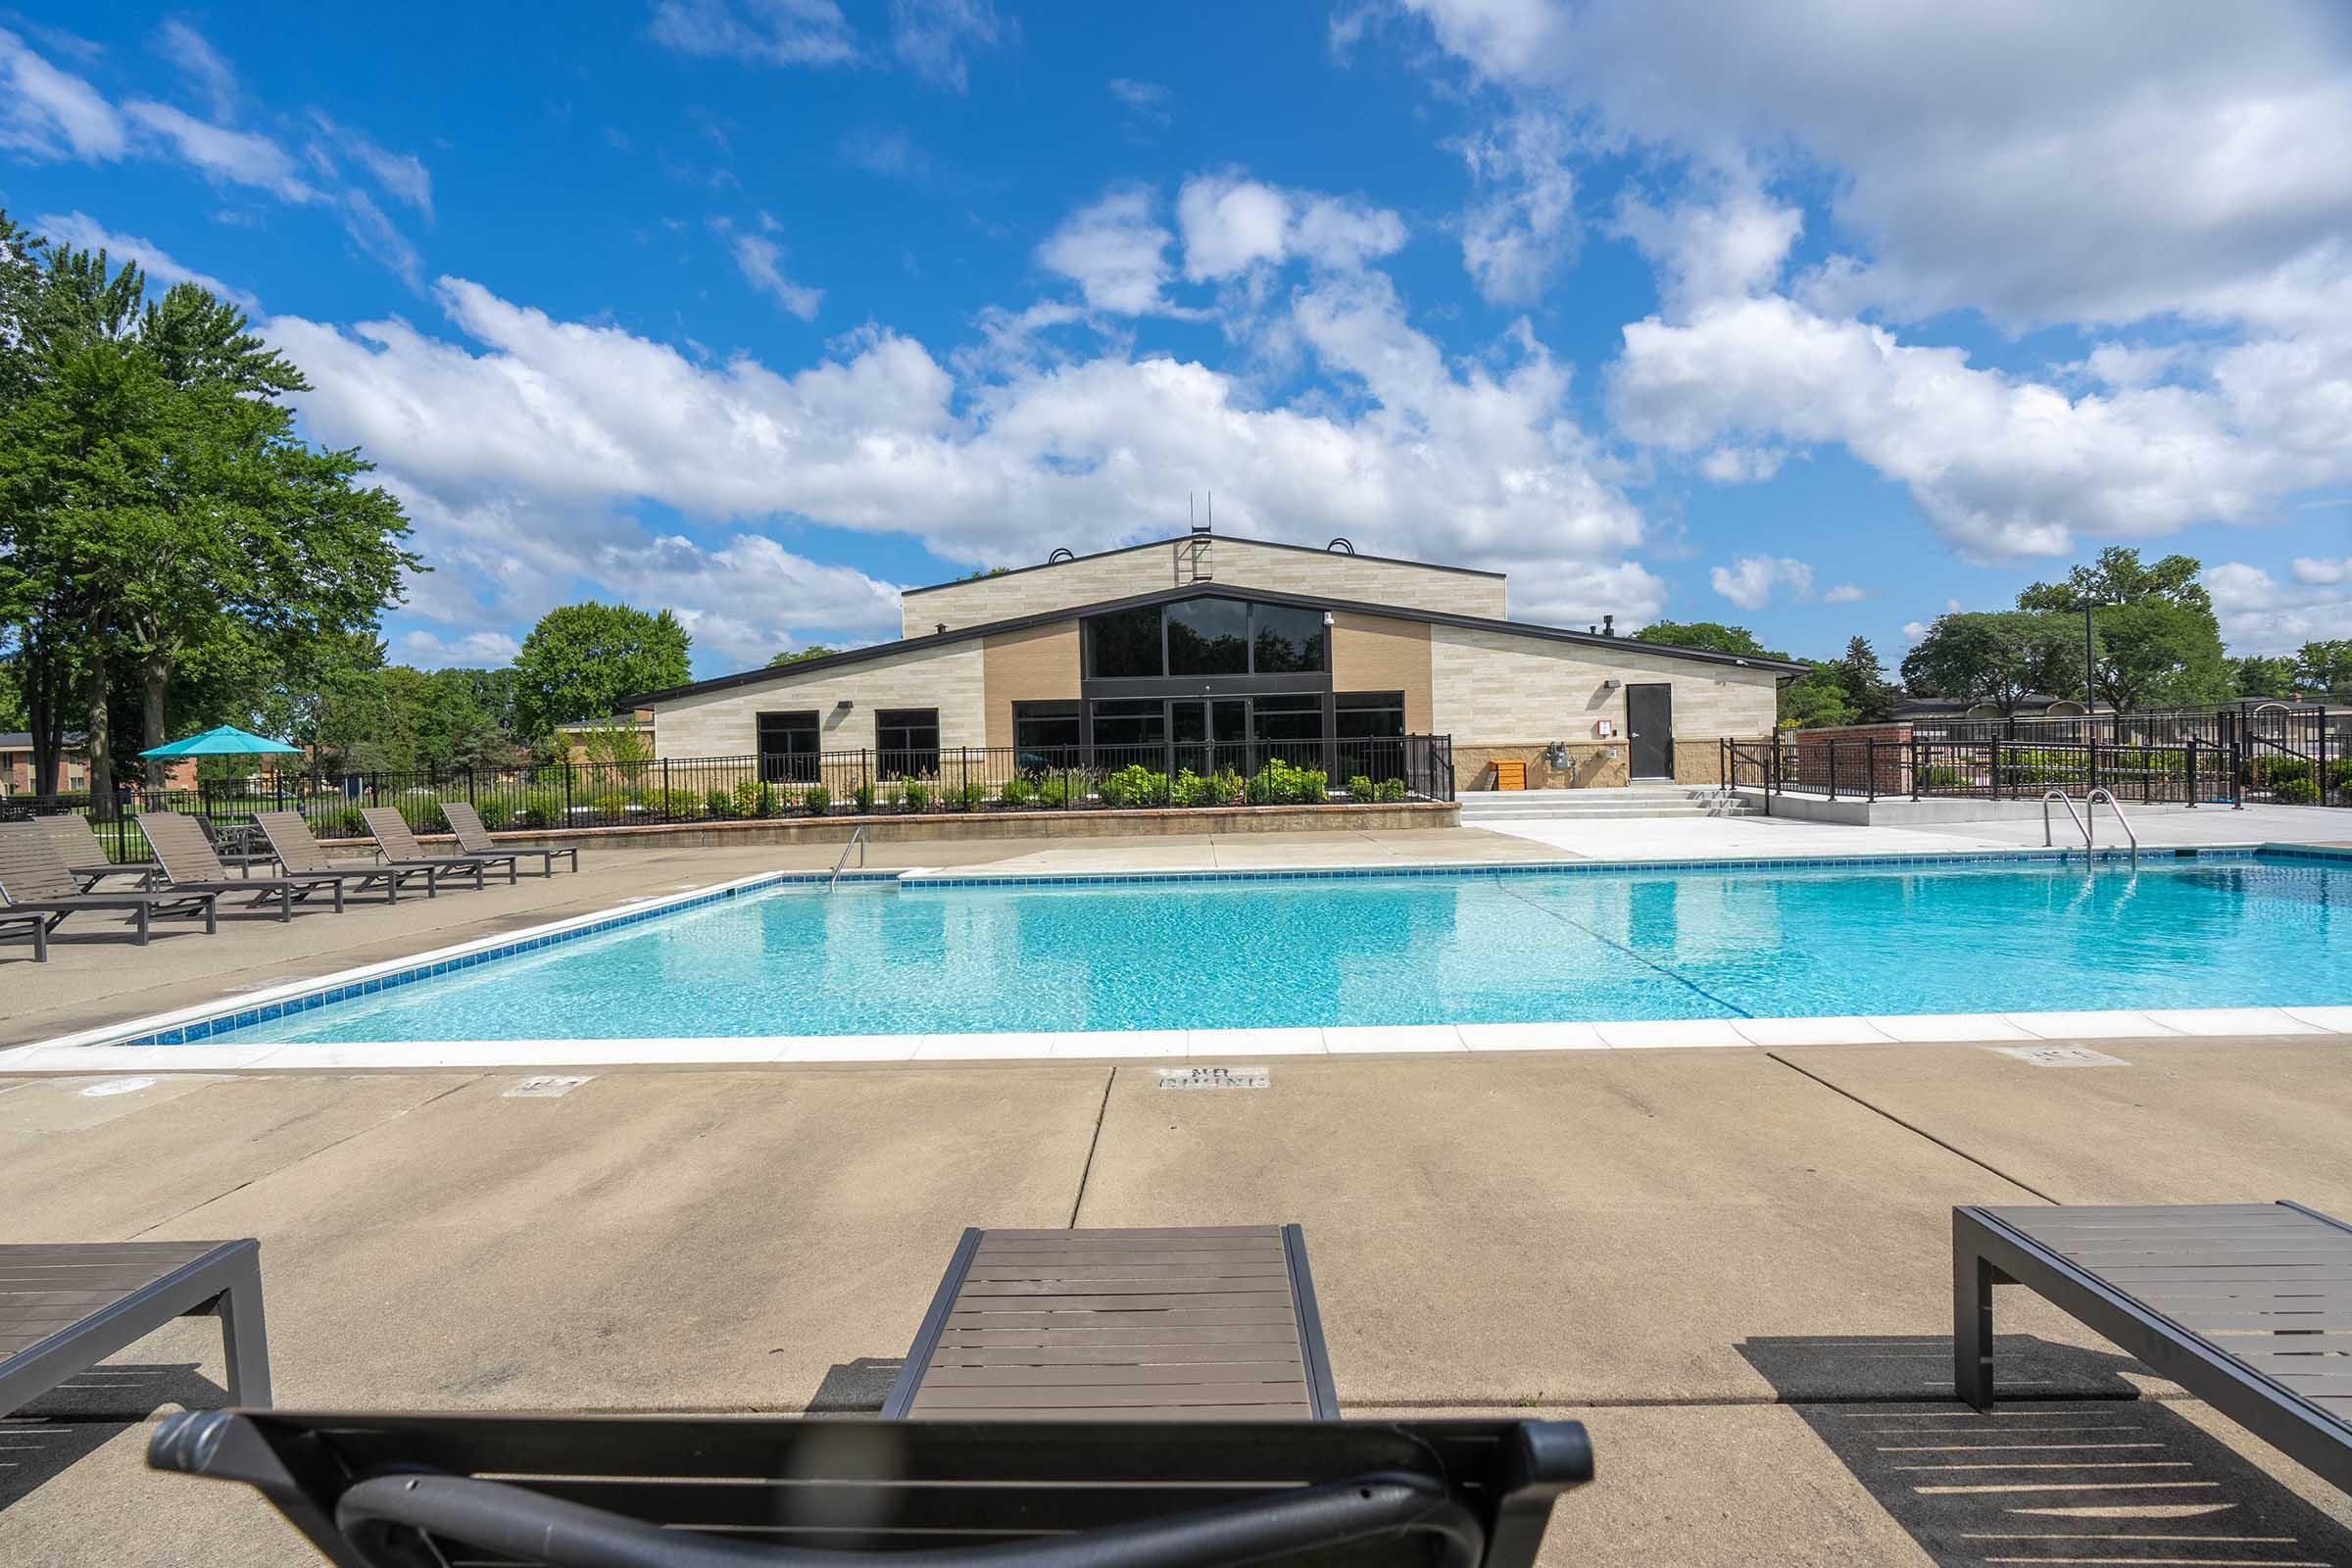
{"points": [[1637, 800]]}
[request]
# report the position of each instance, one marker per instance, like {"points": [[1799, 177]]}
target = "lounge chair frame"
{"points": [[28, 858], [74, 835], [195, 853], [467, 827], [293, 847], [2278, 1274], [374, 1489], [33, 925], [117, 1292], [397, 842]]}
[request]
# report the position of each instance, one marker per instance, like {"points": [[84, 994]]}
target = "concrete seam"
{"points": [[1911, 1127], [1101, 1111]]}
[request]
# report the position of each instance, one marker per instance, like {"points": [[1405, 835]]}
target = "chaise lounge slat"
{"points": [[191, 865], [77, 839], [1174, 1325], [474, 839], [293, 847], [65, 1307], [35, 880], [399, 846], [2246, 1306]]}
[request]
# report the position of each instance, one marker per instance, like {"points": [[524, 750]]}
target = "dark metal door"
{"points": [[1649, 730]]}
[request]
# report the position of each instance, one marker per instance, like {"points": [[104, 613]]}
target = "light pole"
{"points": [[2090, 663]]}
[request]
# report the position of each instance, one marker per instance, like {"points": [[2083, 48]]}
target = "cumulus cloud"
{"points": [[433, 651], [1845, 593], [49, 113], [2260, 614], [2322, 573], [1710, 249], [935, 38], [751, 597], [1753, 581], [1115, 250], [1231, 224], [1522, 228], [84, 232]]}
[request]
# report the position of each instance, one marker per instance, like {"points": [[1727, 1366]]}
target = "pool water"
{"points": [[885, 958]]}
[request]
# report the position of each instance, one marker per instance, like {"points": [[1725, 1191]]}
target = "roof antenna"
{"points": [[1192, 518]]}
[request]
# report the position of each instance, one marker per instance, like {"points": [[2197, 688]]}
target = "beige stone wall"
{"points": [[725, 724], [1508, 693], [1233, 564], [1036, 665], [1592, 765], [1378, 653]]}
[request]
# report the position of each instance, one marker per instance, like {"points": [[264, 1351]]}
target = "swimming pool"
{"points": [[957, 956]]}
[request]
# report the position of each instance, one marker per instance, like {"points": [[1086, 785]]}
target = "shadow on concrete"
{"points": [[856, 1388], [41, 1441], [2063, 1478]]}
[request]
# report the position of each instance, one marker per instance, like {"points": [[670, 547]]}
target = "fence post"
{"points": [[2094, 760], [1832, 771], [2189, 756], [2237, 776], [566, 793], [1916, 754], [1993, 748], [665, 789]]}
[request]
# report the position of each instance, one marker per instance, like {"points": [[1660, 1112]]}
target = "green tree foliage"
{"points": [[2327, 667], [2256, 676], [798, 656], [582, 660], [2155, 642], [1712, 636], [1817, 700], [2118, 578], [1995, 657]]}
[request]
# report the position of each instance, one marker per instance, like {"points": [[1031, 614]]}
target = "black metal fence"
{"points": [[813, 784], [2190, 773]]}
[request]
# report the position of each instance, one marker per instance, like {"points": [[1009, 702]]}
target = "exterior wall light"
{"points": [[844, 702]]}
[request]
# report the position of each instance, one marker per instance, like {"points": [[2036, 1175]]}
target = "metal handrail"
{"points": [[2067, 800], [2090, 804], [857, 843]]}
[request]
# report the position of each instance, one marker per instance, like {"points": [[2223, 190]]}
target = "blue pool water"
{"points": [[879, 959]]}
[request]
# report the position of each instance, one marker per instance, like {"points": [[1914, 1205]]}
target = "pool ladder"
{"points": [[857, 843], [2088, 819]]}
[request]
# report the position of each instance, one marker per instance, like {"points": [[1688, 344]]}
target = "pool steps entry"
{"points": [[2088, 819]]}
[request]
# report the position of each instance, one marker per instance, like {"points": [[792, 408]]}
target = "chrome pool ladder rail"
{"points": [[857, 843], [2087, 819]]}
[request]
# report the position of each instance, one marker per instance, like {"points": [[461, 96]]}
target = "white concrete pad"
{"points": [[1653, 1035], [1530, 1037], [1105, 1043], [2089, 1025], [1254, 1043], [2337, 1020], [977, 1048], [1810, 1032], [1918, 1028], [2233, 1021], [1401, 1037], [851, 1048]]}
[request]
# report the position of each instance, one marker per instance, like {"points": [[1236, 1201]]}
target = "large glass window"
{"points": [[1290, 641], [1045, 734], [788, 747], [1123, 644], [1287, 718], [908, 742], [1370, 715], [1208, 637]]}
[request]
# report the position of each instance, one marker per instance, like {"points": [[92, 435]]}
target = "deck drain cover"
{"points": [[1216, 1078], [2062, 1056], [116, 1085], [547, 1086]]}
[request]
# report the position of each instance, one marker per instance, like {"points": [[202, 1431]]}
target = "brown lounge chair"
{"points": [[1195, 1451], [31, 925], [190, 864], [399, 846], [474, 839], [66, 1306], [292, 847], [77, 839], [35, 879]]}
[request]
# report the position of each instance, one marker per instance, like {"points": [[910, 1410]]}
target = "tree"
{"points": [[2326, 667], [800, 654], [2118, 578], [1863, 680], [2154, 641], [1817, 698], [581, 661], [2256, 676], [1711, 636], [1995, 657]]}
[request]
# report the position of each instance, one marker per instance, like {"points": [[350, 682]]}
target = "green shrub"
{"points": [[2295, 791], [540, 809], [1018, 793], [863, 797], [1054, 792], [1391, 790], [818, 800], [917, 796], [2277, 770], [496, 813], [1135, 785], [1362, 789], [423, 814], [680, 806], [721, 803], [2340, 774], [764, 799], [340, 822], [1278, 783], [969, 795], [747, 798], [613, 803], [1197, 789], [1931, 776], [1310, 788]]}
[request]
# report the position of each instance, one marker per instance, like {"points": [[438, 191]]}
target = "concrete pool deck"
{"points": [[1733, 1265]]}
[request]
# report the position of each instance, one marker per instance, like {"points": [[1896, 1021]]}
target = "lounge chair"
{"points": [[77, 839], [190, 864], [33, 926], [1199, 1324], [292, 846], [35, 879], [2245, 1306], [399, 846], [65, 1307], [474, 839], [1180, 1418]]}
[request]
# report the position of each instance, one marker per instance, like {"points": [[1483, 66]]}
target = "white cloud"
{"points": [[751, 597], [1845, 593], [1915, 631], [379, 236], [761, 262], [780, 33], [1522, 229], [481, 647], [402, 176], [2322, 573], [84, 232], [521, 442], [1751, 582], [2260, 614], [48, 113], [1738, 465], [1115, 250], [1146, 102], [1231, 224], [1730, 245], [241, 157], [201, 64], [934, 37]]}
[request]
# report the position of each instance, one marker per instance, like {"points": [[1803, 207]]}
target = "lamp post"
{"points": [[2090, 663]]}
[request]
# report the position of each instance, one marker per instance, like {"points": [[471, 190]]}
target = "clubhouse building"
{"points": [[1213, 651]]}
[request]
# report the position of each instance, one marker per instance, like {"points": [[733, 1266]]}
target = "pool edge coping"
{"points": [[309, 993]]}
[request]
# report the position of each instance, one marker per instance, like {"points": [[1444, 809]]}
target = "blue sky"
{"points": [[1820, 324]]}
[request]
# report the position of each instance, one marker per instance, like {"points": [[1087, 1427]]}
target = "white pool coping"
{"points": [[89, 1051]]}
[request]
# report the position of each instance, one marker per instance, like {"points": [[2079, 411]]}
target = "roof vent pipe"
{"points": [[1608, 625], [1341, 544], [1059, 555]]}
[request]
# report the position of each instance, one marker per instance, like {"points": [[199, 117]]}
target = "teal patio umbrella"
{"points": [[226, 741]]}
